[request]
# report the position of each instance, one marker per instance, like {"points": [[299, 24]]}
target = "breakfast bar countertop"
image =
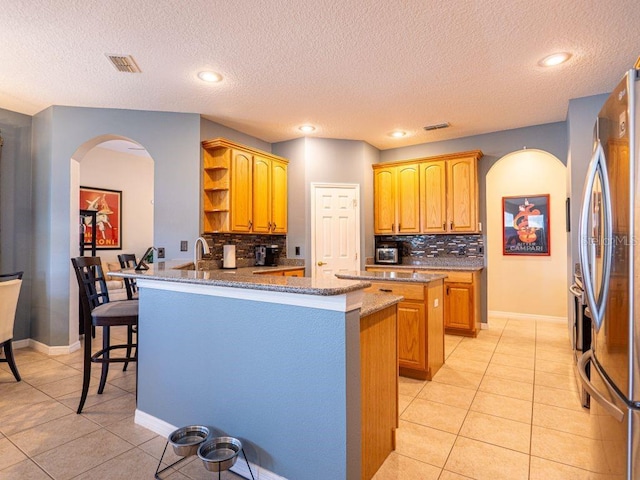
{"points": [[171, 272], [374, 302], [399, 276], [472, 264]]}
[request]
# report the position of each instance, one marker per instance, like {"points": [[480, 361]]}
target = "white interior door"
{"points": [[335, 229]]}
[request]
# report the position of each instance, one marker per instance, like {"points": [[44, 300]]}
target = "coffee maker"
{"points": [[267, 255]]}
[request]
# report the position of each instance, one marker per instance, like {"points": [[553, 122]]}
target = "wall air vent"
{"points": [[437, 126], [124, 63]]}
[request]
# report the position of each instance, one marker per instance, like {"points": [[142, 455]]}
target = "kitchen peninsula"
{"points": [[420, 317], [275, 361]]}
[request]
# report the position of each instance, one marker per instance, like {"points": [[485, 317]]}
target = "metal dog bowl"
{"points": [[219, 453], [186, 440]]}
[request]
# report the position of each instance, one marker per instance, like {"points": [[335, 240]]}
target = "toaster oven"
{"points": [[388, 253]]}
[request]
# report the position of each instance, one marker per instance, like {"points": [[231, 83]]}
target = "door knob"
{"points": [[321, 264]]}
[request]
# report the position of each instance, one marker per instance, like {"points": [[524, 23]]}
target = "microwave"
{"points": [[389, 253]]}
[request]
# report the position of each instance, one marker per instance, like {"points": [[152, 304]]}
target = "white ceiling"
{"points": [[357, 69]]}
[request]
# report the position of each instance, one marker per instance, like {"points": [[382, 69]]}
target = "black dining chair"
{"points": [[10, 284], [98, 311], [128, 260]]}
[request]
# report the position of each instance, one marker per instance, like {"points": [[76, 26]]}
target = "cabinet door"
{"points": [[384, 194], [261, 195], [459, 313], [462, 204], [411, 335], [278, 197], [408, 199], [241, 191], [433, 197]]}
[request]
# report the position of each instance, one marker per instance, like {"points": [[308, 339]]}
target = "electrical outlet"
{"points": [[184, 245], [160, 252], [436, 302], [297, 251]]}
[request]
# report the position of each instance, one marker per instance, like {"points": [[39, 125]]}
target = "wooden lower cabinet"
{"points": [[461, 299], [462, 303], [420, 326], [378, 388]]}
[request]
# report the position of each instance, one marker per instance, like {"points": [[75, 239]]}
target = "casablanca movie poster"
{"points": [[526, 225], [108, 207]]}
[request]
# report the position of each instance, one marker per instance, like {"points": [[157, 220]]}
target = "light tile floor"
{"points": [[504, 406], [41, 436]]}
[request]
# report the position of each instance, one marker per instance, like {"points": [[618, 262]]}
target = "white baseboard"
{"points": [[164, 429], [46, 349], [525, 316]]}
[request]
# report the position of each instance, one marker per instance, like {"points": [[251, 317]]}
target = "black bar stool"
{"points": [[97, 311]]}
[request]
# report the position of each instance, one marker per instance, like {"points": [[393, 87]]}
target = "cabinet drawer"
{"points": [[409, 291]]}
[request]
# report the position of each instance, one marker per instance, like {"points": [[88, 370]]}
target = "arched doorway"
{"points": [[112, 163], [527, 286]]}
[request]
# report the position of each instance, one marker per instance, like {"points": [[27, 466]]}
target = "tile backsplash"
{"points": [[433, 246], [244, 245]]}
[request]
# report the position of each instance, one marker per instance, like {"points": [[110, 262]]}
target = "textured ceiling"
{"points": [[357, 69]]}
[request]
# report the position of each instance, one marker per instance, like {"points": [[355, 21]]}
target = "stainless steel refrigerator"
{"points": [[610, 262]]}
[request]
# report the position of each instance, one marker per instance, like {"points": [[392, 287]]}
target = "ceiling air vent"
{"points": [[124, 63], [437, 126]]}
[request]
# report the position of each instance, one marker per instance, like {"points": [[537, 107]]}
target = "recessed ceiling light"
{"points": [[554, 59], [306, 128], [398, 133], [210, 77]]}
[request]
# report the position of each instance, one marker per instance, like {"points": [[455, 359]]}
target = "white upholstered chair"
{"points": [[9, 292]]}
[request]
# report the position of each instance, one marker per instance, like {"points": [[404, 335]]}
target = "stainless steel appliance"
{"points": [[261, 254], [389, 253], [267, 255], [609, 229], [271, 255], [579, 329]]}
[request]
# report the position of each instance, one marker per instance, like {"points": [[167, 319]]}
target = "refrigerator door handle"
{"points": [[596, 305], [611, 408]]}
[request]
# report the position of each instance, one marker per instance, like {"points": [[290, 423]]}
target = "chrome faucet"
{"points": [[199, 249]]}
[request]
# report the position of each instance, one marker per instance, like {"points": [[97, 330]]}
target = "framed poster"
{"points": [[526, 225], [108, 207]]}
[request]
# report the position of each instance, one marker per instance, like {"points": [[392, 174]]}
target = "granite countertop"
{"points": [[374, 302], [244, 278], [472, 264], [392, 276]]}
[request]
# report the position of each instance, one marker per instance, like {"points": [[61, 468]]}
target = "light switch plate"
{"points": [[184, 245]]}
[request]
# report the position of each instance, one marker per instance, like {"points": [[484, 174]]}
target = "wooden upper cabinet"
{"points": [[241, 191], [244, 190], [462, 195], [278, 197], [397, 199], [433, 197], [384, 187], [408, 199], [261, 195], [427, 195]]}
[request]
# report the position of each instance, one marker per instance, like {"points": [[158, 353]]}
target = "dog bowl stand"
{"points": [[158, 471]]}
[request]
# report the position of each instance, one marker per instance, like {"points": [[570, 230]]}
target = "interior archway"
{"points": [[527, 286], [111, 162]]}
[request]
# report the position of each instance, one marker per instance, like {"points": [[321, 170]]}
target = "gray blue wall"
{"points": [[16, 229], [172, 140]]}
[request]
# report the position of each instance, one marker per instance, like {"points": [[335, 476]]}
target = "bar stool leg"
{"points": [[106, 340], [86, 372], [8, 353]]}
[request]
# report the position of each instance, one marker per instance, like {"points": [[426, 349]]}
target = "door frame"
{"points": [[318, 185]]}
